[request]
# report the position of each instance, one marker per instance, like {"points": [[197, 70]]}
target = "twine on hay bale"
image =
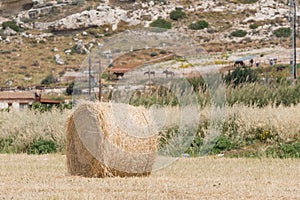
{"points": [[99, 147]]}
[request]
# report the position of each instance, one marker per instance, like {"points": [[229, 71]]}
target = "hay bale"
{"points": [[106, 139]]}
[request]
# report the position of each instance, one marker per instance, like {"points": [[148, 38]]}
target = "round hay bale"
{"points": [[106, 139]]}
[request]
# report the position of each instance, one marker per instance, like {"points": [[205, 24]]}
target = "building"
{"points": [[20, 100], [16, 99]]}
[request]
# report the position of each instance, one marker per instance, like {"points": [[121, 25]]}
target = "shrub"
{"points": [[37, 106], [197, 83], [6, 145], [195, 148], [238, 33], [42, 146], [161, 23], [282, 32], [163, 52], [11, 24], [48, 80], [152, 54], [177, 14], [222, 144], [285, 151], [199, 25], [253, 26], [241, 75], [289, 150], [246, 1]]}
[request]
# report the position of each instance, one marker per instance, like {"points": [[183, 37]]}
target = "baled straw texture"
{"points": [[106, 139]]}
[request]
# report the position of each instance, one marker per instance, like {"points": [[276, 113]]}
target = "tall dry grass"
{"points": [[281, 120], [27, 126], [24, 127]]}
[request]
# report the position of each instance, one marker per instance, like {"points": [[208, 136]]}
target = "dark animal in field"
{"points": [[167, 72], [280, 68], [149, 73], [239, 63], [251, 62], [119, 75]]}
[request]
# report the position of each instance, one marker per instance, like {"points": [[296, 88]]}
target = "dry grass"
{"points": [[27, 126], [283, 120], [45, 177]]}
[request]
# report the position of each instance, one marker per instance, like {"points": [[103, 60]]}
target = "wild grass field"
{"points": [[45, 177], [256, 155]]}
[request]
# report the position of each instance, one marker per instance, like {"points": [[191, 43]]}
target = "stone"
{"points": [[68, 51], [80, 48], [7, 40], [84, 33], [59, 60], [9, 31]]}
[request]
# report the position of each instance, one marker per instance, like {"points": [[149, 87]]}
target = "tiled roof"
{"points": [[17, 95]]}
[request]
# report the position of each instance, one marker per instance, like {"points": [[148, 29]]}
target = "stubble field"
{"points": [[45, 177]]}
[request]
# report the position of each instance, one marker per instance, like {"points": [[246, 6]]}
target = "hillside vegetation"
{"points": [[55, 28]]}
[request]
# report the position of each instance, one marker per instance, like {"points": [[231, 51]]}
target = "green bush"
{"points": [[289, 150], [197, 83], [177, 14], [39, 107], [6, 145], [163, 52], [42, 146], [161, 23], [238, 33], [253, 26], [222, 144], [48, 80], [11, 24], [282, 32], [246, 1], [285, 151], [199, 25], [195, 148], [241, 75], [153, 54]]}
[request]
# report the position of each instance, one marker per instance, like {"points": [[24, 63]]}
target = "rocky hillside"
{"points": [[61, 26], [12, 7]]}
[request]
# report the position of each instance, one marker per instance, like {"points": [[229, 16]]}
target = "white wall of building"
{"points": [[3, 105]]}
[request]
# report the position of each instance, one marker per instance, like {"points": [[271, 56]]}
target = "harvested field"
{"points": [[46, 177]]}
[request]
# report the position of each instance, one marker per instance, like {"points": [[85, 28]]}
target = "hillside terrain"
{"points": [[52, 37]]}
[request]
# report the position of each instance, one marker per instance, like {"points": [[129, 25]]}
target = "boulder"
{"points": [[9, 31], [80, 48], [59, 60]]}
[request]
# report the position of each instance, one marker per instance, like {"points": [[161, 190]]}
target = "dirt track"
{"points": [[45, 177]]}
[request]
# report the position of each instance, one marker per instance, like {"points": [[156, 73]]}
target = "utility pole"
{"points": [[90, 88], [100, 82], [293, 13]]}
